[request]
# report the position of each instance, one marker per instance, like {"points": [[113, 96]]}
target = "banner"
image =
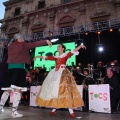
{"points": [[99, 98], [33, 93]]}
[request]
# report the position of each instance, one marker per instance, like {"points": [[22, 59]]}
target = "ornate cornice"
{"points": [[38, 25], [99, 13], [55, 7], [13, 30], [11, 2], [15, 17], [66, 20]]}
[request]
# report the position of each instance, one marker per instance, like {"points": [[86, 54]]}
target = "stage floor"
{"points": [[35, 113]]}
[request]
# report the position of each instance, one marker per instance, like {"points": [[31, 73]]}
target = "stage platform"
{"points": [[37, 113]]}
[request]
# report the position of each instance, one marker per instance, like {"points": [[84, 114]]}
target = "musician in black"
{"points": [[77, 74], [101, 69], [113, 82], [86, 80]]}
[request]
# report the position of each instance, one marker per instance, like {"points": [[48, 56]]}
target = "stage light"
{"points": [[99, 32], [54, 39], [111, 30], [86, 33], [82, 43], [100, 48]]}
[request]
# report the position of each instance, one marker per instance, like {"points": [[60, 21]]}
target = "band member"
{"points": [[101, 69], [18, 55], [77, 75], [86, 80], [59, 89], [113, 82]]}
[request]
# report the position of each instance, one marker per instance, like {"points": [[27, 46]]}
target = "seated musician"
{"points": [[86, 80], [113, 82]]}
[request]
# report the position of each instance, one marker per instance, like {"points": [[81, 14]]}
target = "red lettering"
{"points": [[99, 95], [31, 94], [91, 95], [105, 96]]}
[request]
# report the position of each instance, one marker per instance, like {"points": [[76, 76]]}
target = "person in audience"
{"points": [[59, 89]]}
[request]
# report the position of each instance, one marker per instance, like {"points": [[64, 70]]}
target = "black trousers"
{"points": [[114, 99], [86, 100]]}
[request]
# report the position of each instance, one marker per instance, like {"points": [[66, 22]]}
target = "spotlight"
{"points": [[99, 32], [86, 33], [111, 30], [100, 48], [82, 43]]}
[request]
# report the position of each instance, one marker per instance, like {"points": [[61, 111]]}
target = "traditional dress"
{"points": [[59, 89]]}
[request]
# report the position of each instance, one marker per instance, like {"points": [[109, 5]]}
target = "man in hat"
{"points": [[18, 56]]}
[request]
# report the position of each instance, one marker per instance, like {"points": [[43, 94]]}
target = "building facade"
{"points": [[43, 16]]}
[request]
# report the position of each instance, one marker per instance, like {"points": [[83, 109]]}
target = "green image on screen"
{"points": [[47, 51]]}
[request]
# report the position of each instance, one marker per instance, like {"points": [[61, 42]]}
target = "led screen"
{"points": [[46, 50]]}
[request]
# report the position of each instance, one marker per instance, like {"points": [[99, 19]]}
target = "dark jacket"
{"points": [[113, 82], [18, 52]]}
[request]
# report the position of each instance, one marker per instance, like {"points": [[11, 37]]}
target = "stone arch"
{"points": [[100, 15], [66, 20], [38, 26], [13, 30]]}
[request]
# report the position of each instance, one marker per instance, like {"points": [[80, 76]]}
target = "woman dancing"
{"points": [[59, 89]]}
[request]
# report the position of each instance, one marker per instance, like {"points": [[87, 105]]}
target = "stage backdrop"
{"points": [[99, 98], [47, 51]]}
